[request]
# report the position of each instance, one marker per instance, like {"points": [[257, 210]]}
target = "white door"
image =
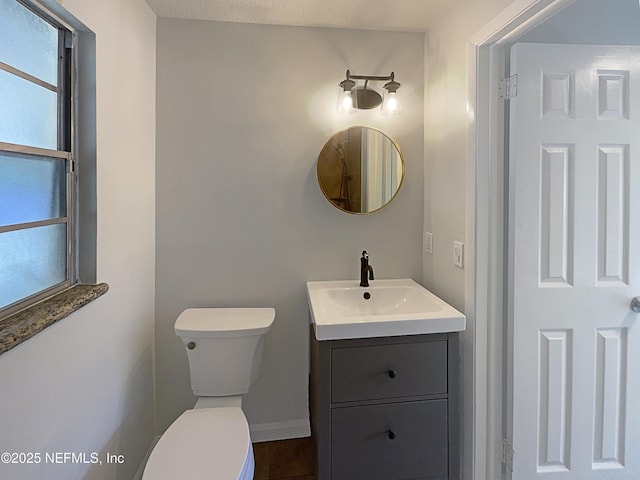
{"points": [[575, 262]]}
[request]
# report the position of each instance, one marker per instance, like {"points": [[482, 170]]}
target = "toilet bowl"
{"points": [[204, 443], [212, 441]]}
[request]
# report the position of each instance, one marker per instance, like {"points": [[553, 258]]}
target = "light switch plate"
{"points": [[458, 254], [428, 243]]}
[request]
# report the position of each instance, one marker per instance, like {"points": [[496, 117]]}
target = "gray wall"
{"points": [[242, 113]]}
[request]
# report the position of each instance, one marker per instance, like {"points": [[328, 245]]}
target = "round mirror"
{"points": [[360, 170]]}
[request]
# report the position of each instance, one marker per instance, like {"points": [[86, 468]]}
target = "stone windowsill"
{"points": [[23, 325]]}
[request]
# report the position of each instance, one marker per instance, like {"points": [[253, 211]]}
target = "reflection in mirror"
{"points": [[360, 170]]}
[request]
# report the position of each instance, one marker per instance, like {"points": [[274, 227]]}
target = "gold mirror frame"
{"points": [[360, 170]]}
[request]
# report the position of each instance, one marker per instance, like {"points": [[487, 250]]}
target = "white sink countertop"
{"points": [[339, 310]]}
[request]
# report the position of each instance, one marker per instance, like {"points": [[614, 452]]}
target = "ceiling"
{"points": [[392, 15]]}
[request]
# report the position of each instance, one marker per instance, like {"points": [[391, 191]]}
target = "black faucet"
{"points": [[366, 270]]}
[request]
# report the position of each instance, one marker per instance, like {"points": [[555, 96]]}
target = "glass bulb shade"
{"points": [[345, 102], [391, 104]]}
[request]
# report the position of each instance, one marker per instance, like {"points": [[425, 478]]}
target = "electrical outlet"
{"points": [[428, 243], [458, 254]]}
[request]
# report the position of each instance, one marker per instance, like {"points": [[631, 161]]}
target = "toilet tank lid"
{"points": [[224, 322]]}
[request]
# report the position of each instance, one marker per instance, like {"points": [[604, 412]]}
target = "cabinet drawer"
{"points": [[386, 371], [363, 447]]}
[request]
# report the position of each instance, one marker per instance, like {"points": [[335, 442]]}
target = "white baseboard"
{"points": [[265, 432], [140, 471]]}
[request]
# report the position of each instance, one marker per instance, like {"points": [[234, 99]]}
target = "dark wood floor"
{"points": [[285, 459]]}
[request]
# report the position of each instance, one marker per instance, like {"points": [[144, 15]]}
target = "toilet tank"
{"points": [[224, 347]]}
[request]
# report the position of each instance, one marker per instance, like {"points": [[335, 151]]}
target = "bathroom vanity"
{"points": [[385, 408], [384, 382]]}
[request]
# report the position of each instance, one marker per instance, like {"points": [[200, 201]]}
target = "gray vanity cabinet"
{"points": [[385, 408]]}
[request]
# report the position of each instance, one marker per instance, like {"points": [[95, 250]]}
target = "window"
{"points": [[37, 184]]}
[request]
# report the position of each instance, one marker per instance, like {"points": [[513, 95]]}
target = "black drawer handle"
{"points": [[393, 374], [392, 435]]}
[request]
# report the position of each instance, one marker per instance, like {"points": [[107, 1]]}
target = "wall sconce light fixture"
{"points": [[354, 97]]}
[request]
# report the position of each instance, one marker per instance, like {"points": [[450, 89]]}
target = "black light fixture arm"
{"points": [[369, 77]]}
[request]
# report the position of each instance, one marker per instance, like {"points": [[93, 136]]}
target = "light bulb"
{"points": [[345, 102], [391, 104]]}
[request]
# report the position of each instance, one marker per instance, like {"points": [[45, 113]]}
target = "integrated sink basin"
{"points": [[343, 309]]}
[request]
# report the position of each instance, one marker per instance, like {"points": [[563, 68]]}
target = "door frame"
{"points": [[482, 445]]}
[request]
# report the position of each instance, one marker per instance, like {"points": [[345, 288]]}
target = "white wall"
{"points": [[242, 114], [85, 384], [446, 123]]}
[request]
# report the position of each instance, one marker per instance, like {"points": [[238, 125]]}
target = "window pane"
{"points": [[31, 260], [27, 42], [31, 189], [29, 113]]}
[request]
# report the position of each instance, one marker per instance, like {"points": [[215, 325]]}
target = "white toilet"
{"points": [[211, 441]]}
